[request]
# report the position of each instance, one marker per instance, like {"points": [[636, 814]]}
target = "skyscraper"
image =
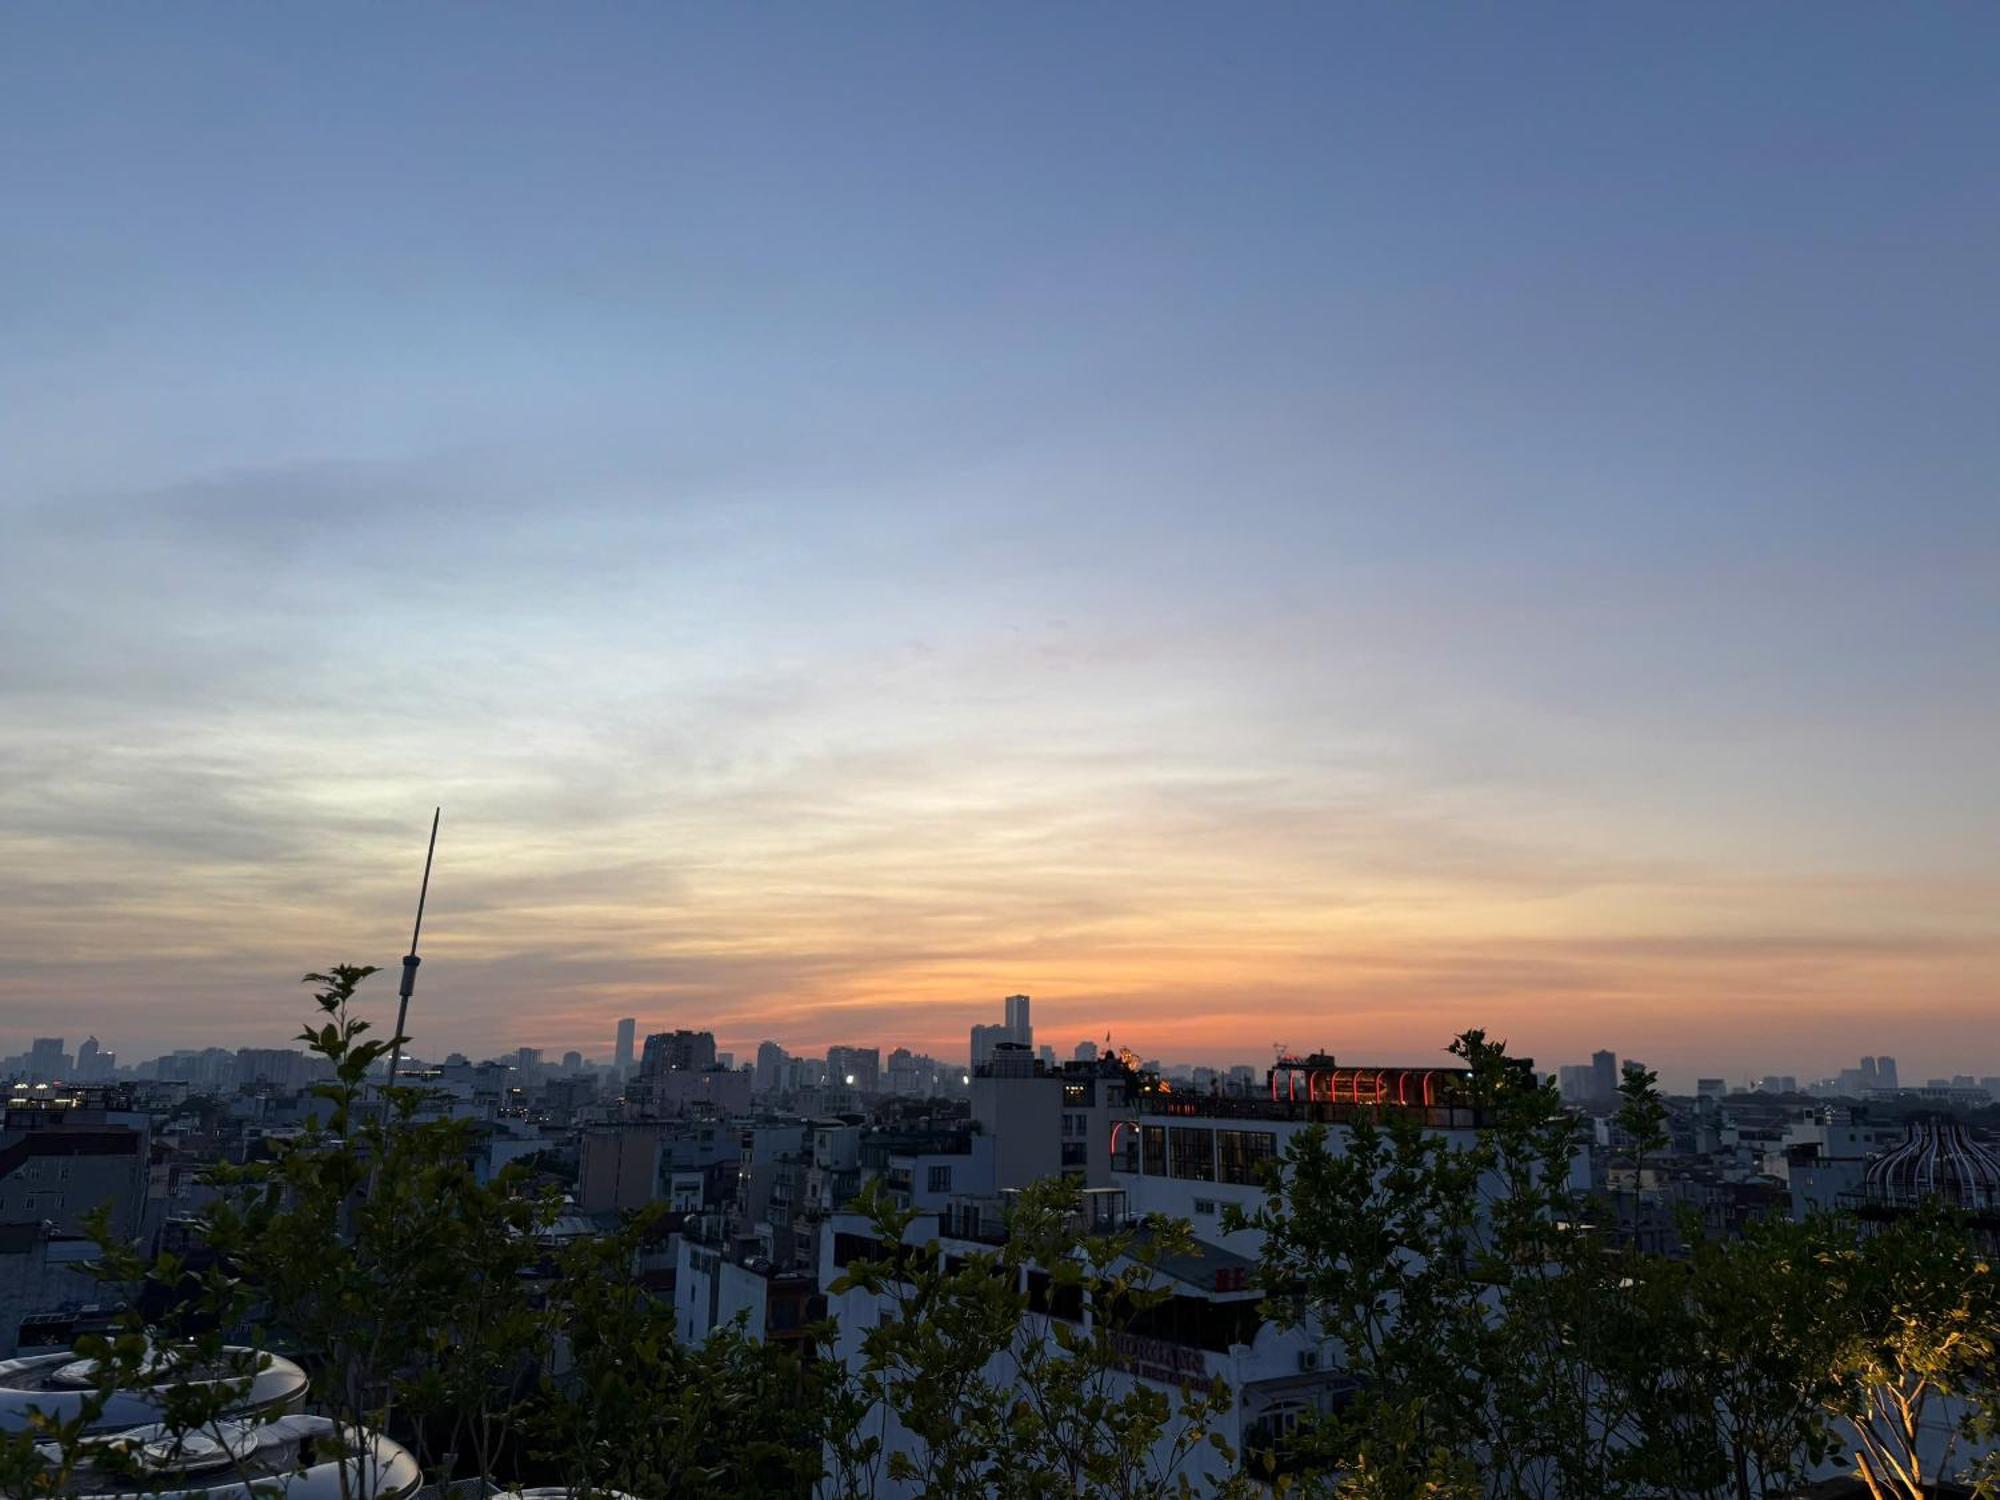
{"points": [[627, 1030], [770, 1060], [1885, 1073], [855, 1067], [1577, 1082], [984, 1039], [1017, 1022], [678, 1052], [47, 1062], [1604, 1076]]}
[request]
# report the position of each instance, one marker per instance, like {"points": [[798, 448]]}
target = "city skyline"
{"points": [[1593, 1080], [1319, 527]]}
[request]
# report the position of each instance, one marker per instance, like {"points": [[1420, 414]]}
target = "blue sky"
{"points": [[1371, 519]]}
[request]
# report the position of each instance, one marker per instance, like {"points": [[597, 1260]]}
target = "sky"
{"points": [[1314, 524]]}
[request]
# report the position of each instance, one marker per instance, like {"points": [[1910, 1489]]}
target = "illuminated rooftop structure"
{"points": [[1319, 1079], [1316, 1088], [1938, 1160]]}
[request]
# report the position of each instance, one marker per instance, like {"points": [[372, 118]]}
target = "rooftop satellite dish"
{"points": [[410, 959]]}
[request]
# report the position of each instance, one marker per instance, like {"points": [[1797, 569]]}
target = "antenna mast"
{"points": [[410, 959]]}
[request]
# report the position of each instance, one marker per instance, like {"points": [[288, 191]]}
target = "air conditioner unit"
{"points": [[1308, 1360]]}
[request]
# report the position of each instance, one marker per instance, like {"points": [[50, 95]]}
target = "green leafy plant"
{"points": [[1004, 1367]]}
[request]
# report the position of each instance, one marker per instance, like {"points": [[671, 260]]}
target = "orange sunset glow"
{"points": [[1241, 541]]}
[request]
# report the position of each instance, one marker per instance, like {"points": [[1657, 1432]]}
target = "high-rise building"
{"points": [[984, 1040], [86, 1059], [1577, 1082], [1086, 1051], [770, 1061], [857, 1068], [47, 1062], [678, 1052], [1885, 1073], [528, 1062], [210, 1069], [572, 1062], [1018, 1025], [1015, 1026], [1711, 1088], [1604, 1076], [282, 1067], [627, 1030]]}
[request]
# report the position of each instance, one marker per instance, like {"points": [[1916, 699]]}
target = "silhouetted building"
{"points": [[1603, 1077], [770, 1063], [678, 1051], [857, 1068]]}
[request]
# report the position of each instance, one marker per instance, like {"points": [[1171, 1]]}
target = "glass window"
{"points": [[1193, 1153], [1125, 1150], [941, 1179], [1155, 1138], [1243, 1153]]}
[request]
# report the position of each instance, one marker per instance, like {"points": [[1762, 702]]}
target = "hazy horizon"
{"points": [[1315, 524]]}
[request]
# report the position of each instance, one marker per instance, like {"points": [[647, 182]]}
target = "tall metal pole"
{"points": [[410, 959]]}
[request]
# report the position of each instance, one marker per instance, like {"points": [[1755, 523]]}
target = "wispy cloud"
{"points": [[1229, 552]]}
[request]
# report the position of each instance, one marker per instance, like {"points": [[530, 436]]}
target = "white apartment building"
{"points": [[1189, 1156], [1211, 1327]]}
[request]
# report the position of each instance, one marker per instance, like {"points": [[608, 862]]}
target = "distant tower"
{"points": [[984, 1039], [1885, 1072], [1017, 1022], [770, 1063], [1604, 1076], [86, 1059], [627, 1030]]}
